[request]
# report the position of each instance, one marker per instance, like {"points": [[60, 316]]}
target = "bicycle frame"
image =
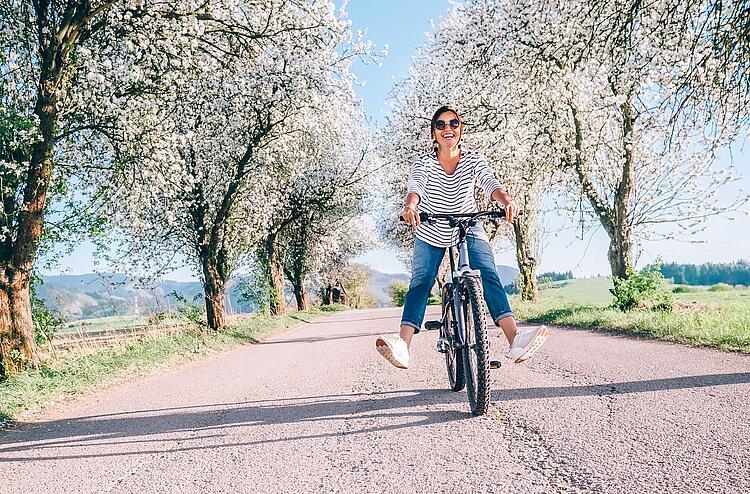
{"points": [[463, 222], [464, 270], [463, 335]]}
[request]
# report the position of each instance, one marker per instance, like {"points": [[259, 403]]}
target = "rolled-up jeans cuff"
{"points": [[502, 316], [412, 324]]}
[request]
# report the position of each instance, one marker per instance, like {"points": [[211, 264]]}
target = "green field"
{"points": [[112, 323], [717, 319], [584, 290]]}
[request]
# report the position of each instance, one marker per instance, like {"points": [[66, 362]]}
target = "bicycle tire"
{"points": [[476, 353], [453, 360]]}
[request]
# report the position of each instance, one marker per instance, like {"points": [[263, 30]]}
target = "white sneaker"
{"points": [[394, 350], [527, 343]]}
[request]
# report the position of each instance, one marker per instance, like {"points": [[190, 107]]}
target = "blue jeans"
{"points": [[425, 264]]}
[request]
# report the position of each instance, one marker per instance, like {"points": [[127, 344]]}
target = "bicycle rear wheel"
{"points": [[476, 353], [453, 360]]}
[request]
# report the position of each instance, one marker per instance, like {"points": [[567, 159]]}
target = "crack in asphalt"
{"points": [[528, 445]]}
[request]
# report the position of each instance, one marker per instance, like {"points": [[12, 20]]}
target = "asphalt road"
{"points": [[318, 410]]}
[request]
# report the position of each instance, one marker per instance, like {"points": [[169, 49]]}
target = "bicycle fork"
{"points": [[464, 270]]}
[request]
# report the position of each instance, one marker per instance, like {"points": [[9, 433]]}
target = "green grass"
{"points": [[584, 290], [716, 319], [73, 374]]}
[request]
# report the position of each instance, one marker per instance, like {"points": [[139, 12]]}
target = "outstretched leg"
{"points": [[522, 344], [425, 264]]}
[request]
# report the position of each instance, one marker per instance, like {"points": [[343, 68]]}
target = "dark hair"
{"points": [[435, 116]]}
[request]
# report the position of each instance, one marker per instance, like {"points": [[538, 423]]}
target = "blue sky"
{"points": [[401, 25]]}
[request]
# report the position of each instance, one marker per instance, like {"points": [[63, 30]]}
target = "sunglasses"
{"points": [[454, 123]]}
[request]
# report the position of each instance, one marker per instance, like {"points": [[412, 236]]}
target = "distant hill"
{"points": [[94, 295], [100, 295], [507, 273], [378, 286]]}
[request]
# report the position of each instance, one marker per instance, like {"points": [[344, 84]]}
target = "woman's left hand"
{"points": [[511, 211], [510, 206]]}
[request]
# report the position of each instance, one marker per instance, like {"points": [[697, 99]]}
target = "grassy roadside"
{"points": [[713, 319], [73, 374]]}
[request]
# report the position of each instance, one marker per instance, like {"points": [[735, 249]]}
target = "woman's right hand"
{"points": [[410, 216]]}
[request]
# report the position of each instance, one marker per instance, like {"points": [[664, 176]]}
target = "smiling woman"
{"points": [[443, 182]]}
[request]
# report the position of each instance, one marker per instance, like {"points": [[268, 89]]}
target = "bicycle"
{"points": [[463, 324]]}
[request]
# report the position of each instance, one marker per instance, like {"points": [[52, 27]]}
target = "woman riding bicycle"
{"points": [[443, 182]]}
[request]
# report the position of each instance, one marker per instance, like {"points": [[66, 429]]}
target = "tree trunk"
{"points": [[614, 218], [620, 252], [214, 287], [295, 273], [17, 345], [301, 296], [278, 307], [524, 256], [275, 273], [326, 294], [216, 315], [16, 327]]}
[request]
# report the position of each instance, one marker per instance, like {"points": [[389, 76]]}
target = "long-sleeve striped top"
{"points": [[440, 193]]}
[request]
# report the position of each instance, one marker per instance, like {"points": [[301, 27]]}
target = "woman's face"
{"points": [[452, 128]]}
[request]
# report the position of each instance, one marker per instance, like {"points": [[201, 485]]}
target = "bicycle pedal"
{"points": [[433, 325], [495, 364], [442, 345]]}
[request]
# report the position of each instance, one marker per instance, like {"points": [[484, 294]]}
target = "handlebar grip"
{"points": [[422, 217]]}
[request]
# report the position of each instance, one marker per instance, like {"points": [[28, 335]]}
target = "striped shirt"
{"points": [[440, 193]]}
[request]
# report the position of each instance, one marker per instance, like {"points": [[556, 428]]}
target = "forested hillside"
{"points": [[733, 273]]}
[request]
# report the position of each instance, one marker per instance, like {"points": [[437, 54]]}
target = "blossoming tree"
{"points": [[48, 62], [617, 117], [228, 137], [320, 220], [87, 88]]}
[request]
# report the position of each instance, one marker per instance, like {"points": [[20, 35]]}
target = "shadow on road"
{"points": [[333, 320], [208, 426], [623, 387], [315, 339], [200, 424]]}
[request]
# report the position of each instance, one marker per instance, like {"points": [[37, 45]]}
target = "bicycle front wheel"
{"points": [[476, 354]]}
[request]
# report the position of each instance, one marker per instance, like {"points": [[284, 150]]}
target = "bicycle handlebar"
{"points": [[456, 217]]}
